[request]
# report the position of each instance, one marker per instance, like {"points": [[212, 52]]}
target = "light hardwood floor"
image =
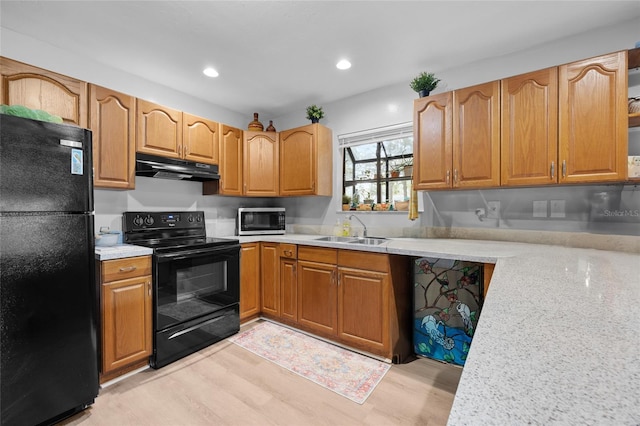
{"points": [[225, 384]]}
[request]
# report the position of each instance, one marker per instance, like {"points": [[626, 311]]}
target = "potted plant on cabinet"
{"points": [[346, 202], [314, 113], [424, 83]]}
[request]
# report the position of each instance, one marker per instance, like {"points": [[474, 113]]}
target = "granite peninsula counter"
{"points": [[558, 338]]}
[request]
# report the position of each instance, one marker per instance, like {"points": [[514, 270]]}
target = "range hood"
{"points": [[170, 168]]}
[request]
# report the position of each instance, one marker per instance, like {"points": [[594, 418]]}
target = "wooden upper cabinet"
{"points": [[593, 119], [230, 155], [476, 136], [306, 161], [529, 135], [37, 88], [260, 165], [159, 130], [112, 119], [200, 137], [432, 142]]}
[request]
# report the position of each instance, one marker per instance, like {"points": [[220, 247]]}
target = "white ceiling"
{"points": [[276, 57]]}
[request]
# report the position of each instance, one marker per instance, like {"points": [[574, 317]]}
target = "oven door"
{"points": [[196, 283]]}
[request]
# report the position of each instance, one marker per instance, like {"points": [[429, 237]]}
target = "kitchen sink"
{"points": [[338, 239], [371, 241]]}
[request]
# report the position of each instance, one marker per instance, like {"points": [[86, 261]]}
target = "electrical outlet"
{"points": [[540, 208], [557, 208], [493, 209]]}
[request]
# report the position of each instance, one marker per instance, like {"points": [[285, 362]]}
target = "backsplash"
{"points": [[595, 209]]}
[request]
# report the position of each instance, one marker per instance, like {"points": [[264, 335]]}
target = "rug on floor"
{"points": [[347, 373]]}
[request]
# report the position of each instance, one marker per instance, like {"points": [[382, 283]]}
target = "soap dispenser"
{"points": [[346, 228]]}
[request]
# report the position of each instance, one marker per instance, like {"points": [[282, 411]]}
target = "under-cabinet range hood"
{"points": [[170, 168]]}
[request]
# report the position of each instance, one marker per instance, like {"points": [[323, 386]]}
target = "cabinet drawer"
{"points": [[129, 267], [288, 250], [363, 260], [318, 254]]}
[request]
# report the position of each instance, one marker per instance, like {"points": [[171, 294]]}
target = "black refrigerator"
{"points": [[48, 296]]}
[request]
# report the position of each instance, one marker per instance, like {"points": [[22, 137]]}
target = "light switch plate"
{"points": [[540, 208], [557, 208]]}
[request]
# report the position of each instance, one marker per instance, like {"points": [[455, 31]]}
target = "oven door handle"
{"points": [[181, 255]]}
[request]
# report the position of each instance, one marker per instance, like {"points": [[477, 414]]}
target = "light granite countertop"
{"points": [[120, 251], [558, 338]]}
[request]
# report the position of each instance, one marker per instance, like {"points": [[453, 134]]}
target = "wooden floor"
{"points": [[225, 384]]}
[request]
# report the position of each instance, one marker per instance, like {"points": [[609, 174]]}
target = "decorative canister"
{"points": [[255, 124], [634, 105], [270, 127]]}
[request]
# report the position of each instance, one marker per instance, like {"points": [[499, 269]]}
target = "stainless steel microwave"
{"points": [[260, 221]]}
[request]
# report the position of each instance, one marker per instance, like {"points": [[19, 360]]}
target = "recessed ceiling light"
{"points": [[210, 72], [343, 64]]}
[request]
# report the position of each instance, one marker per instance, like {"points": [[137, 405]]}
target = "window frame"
{"points": [[382, 178]]}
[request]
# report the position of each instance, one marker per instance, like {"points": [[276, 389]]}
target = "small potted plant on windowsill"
{"points": [[424, 83], [346, 202], [314, 113]]}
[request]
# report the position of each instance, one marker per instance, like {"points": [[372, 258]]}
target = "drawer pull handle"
{"points": [[128, 269], [288, 253]]}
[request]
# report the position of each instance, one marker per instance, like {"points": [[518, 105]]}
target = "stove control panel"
{"points": [[138, 221]]}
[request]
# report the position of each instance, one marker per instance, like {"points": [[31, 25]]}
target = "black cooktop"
{"points": [[169, 231]]}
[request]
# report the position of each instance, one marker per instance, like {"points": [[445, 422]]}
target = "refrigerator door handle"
{"points": [[72, 144]]}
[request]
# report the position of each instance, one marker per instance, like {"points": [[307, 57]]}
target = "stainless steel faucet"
{"points": [[364, 232]]}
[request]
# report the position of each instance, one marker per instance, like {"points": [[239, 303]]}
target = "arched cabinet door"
{"points": [[159, 130], [593, 119], [112, 119], [37, 88], [201, 138]]}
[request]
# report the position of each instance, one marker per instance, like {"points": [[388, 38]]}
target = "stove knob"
{"points": [[190, 218], [148, 221], [138, 221], [199, 219]]}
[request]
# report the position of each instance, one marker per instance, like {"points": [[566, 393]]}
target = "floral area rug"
{"points": [[347, 373]]}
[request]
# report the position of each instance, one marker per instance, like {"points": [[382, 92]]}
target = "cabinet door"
{"points": [[432, 149], [529, 135], [269, 271], [298, 169], [476, 136], [593, 127], [200, 138], [230, 160], [260, 166], [126, 327], [38, 88], [113, 123], [288, 289], [317, 297], [159, 130], [249, 280], [363, 309]]}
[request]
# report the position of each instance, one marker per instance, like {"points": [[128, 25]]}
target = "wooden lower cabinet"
{"points": [[126, 315], [269, 272], [359, 299], [288, 282], [317, 290], [249, 281]]}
